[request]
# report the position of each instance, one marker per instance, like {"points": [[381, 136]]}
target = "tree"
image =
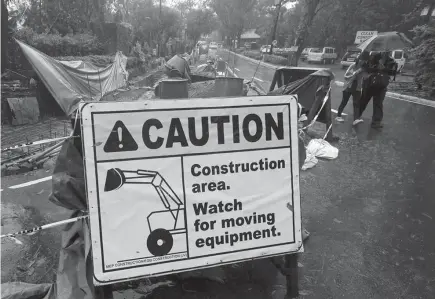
{"points": [[233, 15], [4, 35], [199, 21], [310, 9]]}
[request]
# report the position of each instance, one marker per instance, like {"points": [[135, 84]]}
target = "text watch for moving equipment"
{"points": [[173, 188]]}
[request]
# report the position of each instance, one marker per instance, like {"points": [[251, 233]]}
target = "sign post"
{"points": [[174, 187]]}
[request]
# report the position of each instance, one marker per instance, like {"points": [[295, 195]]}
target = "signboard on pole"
{"points": [[179, 185], [362, 36]]}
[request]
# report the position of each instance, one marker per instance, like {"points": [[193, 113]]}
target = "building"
{"points": [[249, 36]]}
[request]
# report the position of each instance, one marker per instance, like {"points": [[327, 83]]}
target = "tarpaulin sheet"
{"points": [[74, 81], [301, 82]]}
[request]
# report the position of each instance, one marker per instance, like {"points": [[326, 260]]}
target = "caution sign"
{"points": [[174, 187], [120, 139]]}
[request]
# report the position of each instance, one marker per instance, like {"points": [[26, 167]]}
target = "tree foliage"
{"points": [[198, 22], [424, 54], [233, 15]]}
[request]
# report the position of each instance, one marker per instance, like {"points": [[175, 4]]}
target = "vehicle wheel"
{"points": [[160, 242]]}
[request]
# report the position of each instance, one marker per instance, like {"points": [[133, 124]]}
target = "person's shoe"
{"points": [[357, 121], [339, 119], [377, 125]]}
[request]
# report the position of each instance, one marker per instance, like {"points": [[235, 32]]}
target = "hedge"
{"points": [[274, 59], [253, 54], [56, 45]]}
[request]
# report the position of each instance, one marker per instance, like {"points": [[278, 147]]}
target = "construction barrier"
{"points": [[313, 89], [310, 84]]}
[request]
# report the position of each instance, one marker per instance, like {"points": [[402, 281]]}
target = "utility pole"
{"points": [[275, 25]]}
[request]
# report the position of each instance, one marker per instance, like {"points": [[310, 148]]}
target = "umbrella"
{"points": [[386, 41]]}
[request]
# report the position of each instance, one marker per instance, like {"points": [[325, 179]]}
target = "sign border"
{"points": [[295, 181]]}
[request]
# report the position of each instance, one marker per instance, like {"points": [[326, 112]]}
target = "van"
{"points": [[304, 53], [322, 55], [399, 57]]}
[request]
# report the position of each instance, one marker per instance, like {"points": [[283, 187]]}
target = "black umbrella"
{"points": [[385, 42]]}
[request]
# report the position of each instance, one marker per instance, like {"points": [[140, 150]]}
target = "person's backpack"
{"points": [[378, 80]]}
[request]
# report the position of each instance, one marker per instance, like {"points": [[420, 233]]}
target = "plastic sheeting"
{"points": [[70, 82]]}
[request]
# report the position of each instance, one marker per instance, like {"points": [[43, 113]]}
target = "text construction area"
{"points": [[179, 185]]}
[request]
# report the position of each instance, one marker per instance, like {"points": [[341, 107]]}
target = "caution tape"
{"points": [[39, 142], [46, 226]]}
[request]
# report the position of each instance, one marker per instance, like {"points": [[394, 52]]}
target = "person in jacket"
{"points": [[354, 78], [380, 68]]}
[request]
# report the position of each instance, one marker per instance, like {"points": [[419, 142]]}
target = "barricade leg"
{"points": [[104, 292], [292, 276]]}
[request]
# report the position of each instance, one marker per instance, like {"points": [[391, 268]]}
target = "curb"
{"points": [[402, 97]]}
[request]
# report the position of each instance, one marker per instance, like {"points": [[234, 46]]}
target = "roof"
{"points": [[249, 34]]}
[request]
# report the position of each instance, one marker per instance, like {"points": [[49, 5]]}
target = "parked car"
{"points": [[304, 53], [212, 50], [322, 55], [399, 57], [349, 57], [265, 49]]}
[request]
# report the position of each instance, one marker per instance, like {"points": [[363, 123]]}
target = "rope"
{"points": [[320, 110]]}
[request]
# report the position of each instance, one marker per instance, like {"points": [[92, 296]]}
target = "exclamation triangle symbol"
{"points": [[120, 140]]}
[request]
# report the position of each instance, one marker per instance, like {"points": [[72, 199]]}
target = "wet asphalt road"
{"points": [[370, 212]]}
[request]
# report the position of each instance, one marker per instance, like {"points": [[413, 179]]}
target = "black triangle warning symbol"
{"points": [[120, 140]]}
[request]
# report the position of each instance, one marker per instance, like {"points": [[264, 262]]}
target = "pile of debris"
{"points": [[29, 156]]}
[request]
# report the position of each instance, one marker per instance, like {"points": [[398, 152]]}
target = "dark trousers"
{"points": [[356, 96], [378, 96]]}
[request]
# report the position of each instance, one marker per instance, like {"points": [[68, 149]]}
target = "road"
{"points": [[370, 212], [25, 204]]}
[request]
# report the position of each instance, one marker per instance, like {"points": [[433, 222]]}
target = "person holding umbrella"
{"points": [[380, 67]]}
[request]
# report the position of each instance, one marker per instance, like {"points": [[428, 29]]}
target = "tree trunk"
{"points": [[310, 7], [97, 17], [4, 36], [275, 25]]}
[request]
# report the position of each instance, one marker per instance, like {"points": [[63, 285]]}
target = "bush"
{"points": [[274, 59], [253, 54], [425, 56], [56, 45]]}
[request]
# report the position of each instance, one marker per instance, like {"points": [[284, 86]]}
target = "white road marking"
{"points": [[403, 97], [335, 111], [31, 183], [237, 69], [258, 79]]}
